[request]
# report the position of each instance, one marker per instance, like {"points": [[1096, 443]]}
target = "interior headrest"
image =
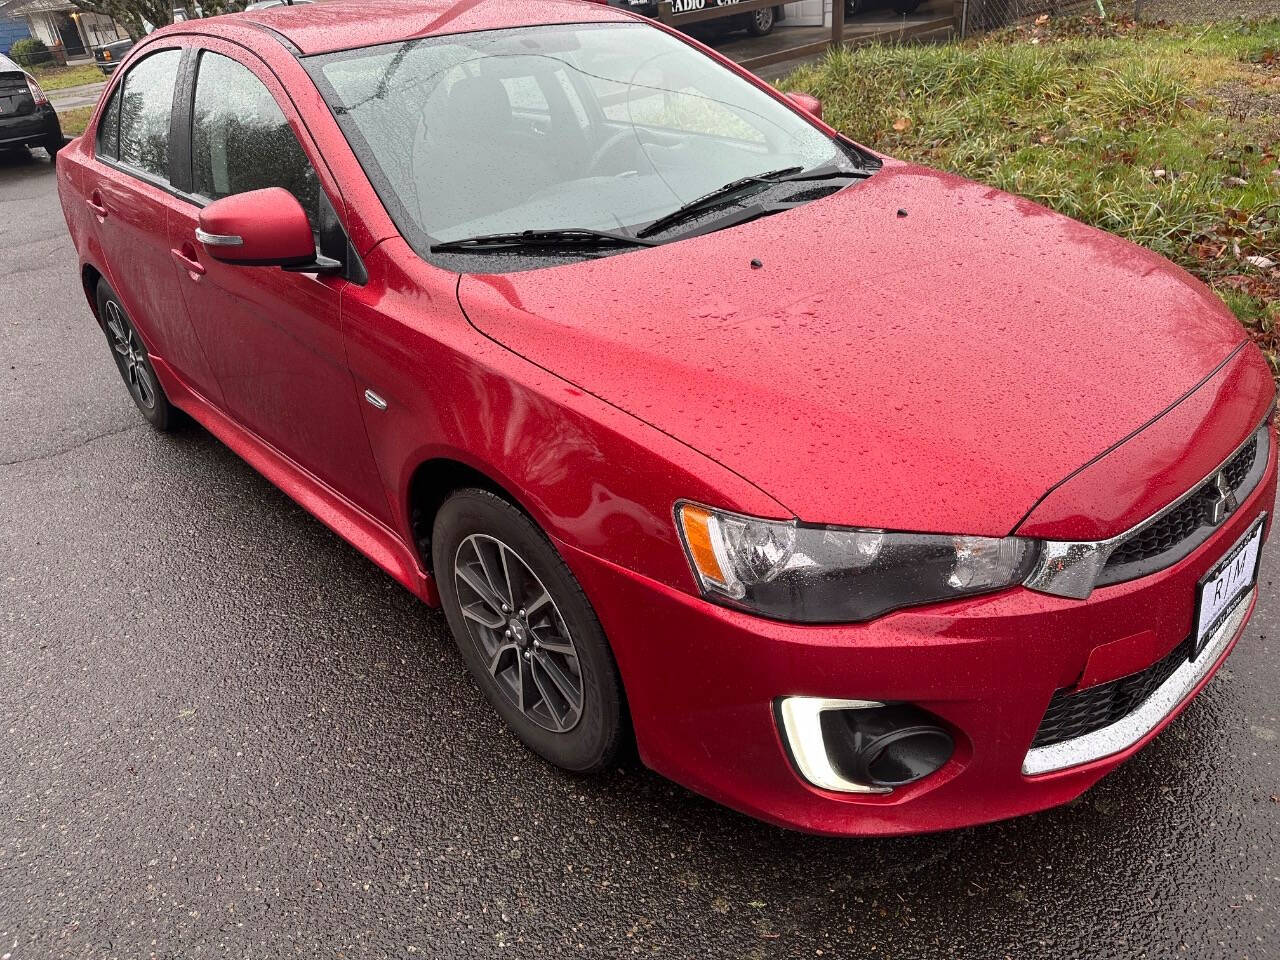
{"points": [[479, 102]]}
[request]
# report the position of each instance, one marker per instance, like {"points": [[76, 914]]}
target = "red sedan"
{"points": [[861, 498]]}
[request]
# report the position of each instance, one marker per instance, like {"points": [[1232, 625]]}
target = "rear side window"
{"points": [[241, 140], [109, 128], [146, 105]]}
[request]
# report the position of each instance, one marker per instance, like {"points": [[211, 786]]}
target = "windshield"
{"points": [[574, 126]]}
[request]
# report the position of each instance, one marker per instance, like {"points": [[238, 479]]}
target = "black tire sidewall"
{"points": [[753, 26], [593, 741], [162, 415]]}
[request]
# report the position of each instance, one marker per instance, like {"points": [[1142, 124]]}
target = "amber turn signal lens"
{"points": [[696, 524]]}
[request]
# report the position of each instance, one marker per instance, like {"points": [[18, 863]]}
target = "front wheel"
{"points": [[760, 22], [527, 631]]}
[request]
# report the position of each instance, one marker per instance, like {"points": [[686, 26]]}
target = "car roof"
{"points": [[346, 24]]}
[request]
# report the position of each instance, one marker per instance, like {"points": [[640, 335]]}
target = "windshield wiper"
{"points": [[828, 171], [785, 175], [685, 210], [541, 239]]}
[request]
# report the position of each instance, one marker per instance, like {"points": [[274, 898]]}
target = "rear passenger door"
{"points": [[274, 338]]}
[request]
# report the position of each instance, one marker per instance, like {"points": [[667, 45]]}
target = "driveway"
{"points": [[223, 733]]}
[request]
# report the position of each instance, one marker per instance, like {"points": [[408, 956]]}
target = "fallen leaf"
{"points": [[1208, 251], [902, 124], [1262, 263], [1235, 181], [1042, 20], [1238, 282]]}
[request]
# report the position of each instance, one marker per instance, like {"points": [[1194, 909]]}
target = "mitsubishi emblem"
{"points": [[1224, 500]]}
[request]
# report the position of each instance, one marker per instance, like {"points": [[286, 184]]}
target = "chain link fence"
{"points": [[977, 16]]}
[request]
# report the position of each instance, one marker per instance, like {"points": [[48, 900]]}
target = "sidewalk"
{"points": [[71, 97]]}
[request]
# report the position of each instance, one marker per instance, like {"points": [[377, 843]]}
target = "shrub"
{"points": [[31, 52]]}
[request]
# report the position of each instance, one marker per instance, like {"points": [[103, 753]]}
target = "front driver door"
{"points": [[274, 338]]}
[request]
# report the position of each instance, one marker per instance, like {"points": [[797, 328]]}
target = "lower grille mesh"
{"points": [[1073, 714]]}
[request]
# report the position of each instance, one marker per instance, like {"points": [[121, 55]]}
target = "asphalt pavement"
{"points": [[224, 733]]}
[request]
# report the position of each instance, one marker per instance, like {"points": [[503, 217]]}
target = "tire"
{"points": [[52, 145], [476, 531], [760, 22], [906, 6], [133, 362], [852, 7]]}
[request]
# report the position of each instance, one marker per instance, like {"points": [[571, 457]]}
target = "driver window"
{"points": [[241, 140]]}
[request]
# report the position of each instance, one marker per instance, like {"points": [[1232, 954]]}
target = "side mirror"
{"points": [[810, 105], [261, 228]]}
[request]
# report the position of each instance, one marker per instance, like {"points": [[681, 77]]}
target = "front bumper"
{"points": [[32, 130], [702, 681]]}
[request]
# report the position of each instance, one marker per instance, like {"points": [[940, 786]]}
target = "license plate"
{"points": [[1222, 586]]}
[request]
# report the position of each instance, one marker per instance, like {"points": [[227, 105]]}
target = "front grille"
{"points": [[1073, 714], [1237, 467], [1185, 527]]}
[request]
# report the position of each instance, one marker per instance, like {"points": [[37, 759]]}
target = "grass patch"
{"points": [[59, 78], [1167, 136], [74, 120]]}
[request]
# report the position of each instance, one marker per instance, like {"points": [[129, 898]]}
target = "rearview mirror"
{"points": [[261, 228], [810, 105]]}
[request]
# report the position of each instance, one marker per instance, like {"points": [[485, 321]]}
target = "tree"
{"points": [[133, 15]]}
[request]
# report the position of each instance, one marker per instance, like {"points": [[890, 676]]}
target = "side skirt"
{"points": [[367, 534]]}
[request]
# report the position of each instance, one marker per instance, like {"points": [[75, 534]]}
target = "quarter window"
{"points": [[241, 140], [109, 129], [146, 106]]}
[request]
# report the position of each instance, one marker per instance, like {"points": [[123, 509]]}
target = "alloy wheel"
{"points": [[130, 356], [764, 19], [519, 632]]}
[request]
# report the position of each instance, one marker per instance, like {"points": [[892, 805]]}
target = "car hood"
{"points": [[915, 352]]}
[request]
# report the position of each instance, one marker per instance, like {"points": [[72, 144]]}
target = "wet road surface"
{"points": [[225, 733]]}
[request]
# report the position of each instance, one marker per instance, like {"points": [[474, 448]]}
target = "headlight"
{"points": [[811, 574]]}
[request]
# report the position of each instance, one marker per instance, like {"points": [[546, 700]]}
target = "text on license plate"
{"points": [[1226, 582]]}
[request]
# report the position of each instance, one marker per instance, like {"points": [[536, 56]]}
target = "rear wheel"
{"points": [[527, 632], [906, 6], [133, 362], [853, 6], [760, 22], [52, 145]]}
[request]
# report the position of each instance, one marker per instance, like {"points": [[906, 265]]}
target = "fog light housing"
{"points": [[862, 746]]}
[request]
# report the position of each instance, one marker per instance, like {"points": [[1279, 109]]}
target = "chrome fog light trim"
{"points": [[802, 731]]}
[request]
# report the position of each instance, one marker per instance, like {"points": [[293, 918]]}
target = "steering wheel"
{"points": [[610, 146]]}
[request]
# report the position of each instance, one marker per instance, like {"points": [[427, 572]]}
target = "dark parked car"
{"points": [[109, 55], [26, 118], [755, 22]]}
